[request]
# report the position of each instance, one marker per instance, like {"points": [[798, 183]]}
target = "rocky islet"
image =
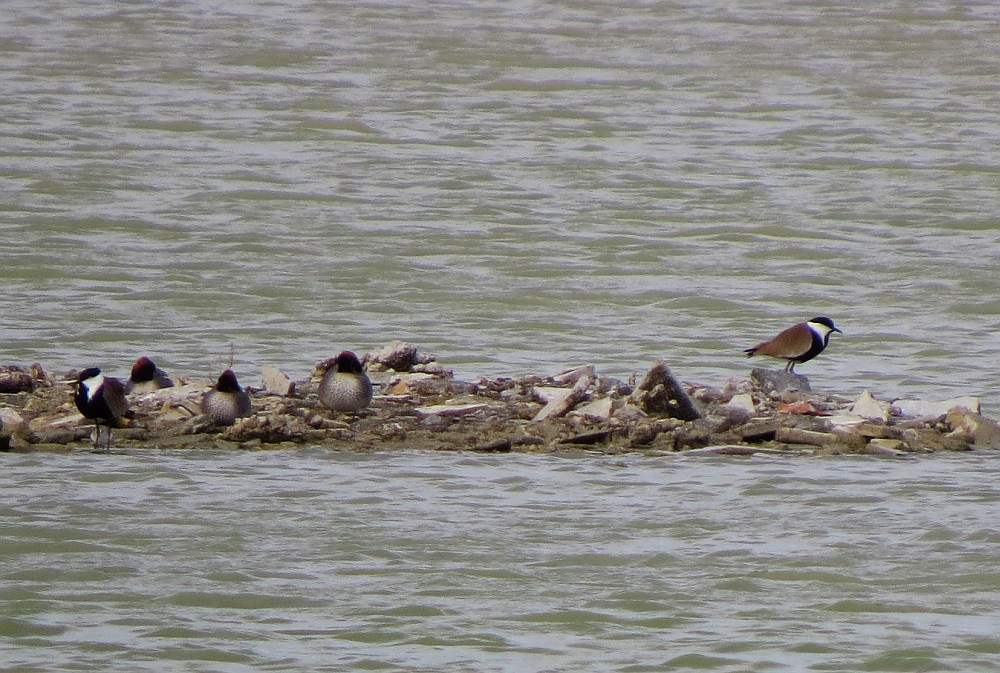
{"points": [[420, 405]]}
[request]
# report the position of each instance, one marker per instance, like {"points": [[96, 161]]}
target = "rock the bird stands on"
{"points": [[420, 405]]}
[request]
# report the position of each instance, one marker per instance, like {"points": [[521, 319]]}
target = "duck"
{"points": [[345, 385], [146, 377], [226, 401]]}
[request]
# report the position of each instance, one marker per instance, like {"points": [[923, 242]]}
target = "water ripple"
{"points": [[463, 559]]}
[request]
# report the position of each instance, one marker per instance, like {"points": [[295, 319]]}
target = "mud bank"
{"points": [[421, 406]]}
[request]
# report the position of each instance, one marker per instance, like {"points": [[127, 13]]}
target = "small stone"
{"points": [[60, 434], [174, 394], [742, 401], [921, 408], [511, 395], [876, 431], [11, 422], [559, 405], [691, 436], [981, 431], [58, 420], [275, 381], [799, 436], [779, 381], [396, 355], [609, 385], [594, 437], [602, 408], [735, 386], [891, 444], [708, 394], [661, 393], [732, 417], [629, 413], [867, 406], [642, 434], [434, 422], [844, 421], [434, 368], [546, 395], [738, 450], [887, 448], [849, 438], [18, 379], [450, 410], [172, 415], [428, 385], [18, 445], [497, 446], [798, 408], [763, 431], [929, 440], [456, 388], [575, 374], [404, 384]]}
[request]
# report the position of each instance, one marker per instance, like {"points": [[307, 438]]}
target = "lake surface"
{"points": [[518, 187], [319, 560]]}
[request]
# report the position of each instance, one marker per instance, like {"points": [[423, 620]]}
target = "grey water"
{"points": [[517, 187], [319, 560]]}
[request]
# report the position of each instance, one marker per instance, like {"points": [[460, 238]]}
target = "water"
{"points": [[320, 560], [517, 187]]}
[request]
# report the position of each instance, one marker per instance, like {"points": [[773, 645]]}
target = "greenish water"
{"points": [[319, 560], [517, 187]]}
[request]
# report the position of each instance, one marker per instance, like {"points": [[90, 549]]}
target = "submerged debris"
{"points": [[420, 405]]}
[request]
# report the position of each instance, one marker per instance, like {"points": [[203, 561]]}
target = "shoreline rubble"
{"points": [[421, 406]]}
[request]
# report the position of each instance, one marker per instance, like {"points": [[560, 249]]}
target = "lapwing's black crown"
{"points": [[88, 373], [823, 320]]}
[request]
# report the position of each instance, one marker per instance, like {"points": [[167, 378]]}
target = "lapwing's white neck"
{"points": [[819, 328], [93, 384]]}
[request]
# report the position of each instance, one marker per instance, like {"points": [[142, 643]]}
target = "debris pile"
{"points": [[420, 405]]}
